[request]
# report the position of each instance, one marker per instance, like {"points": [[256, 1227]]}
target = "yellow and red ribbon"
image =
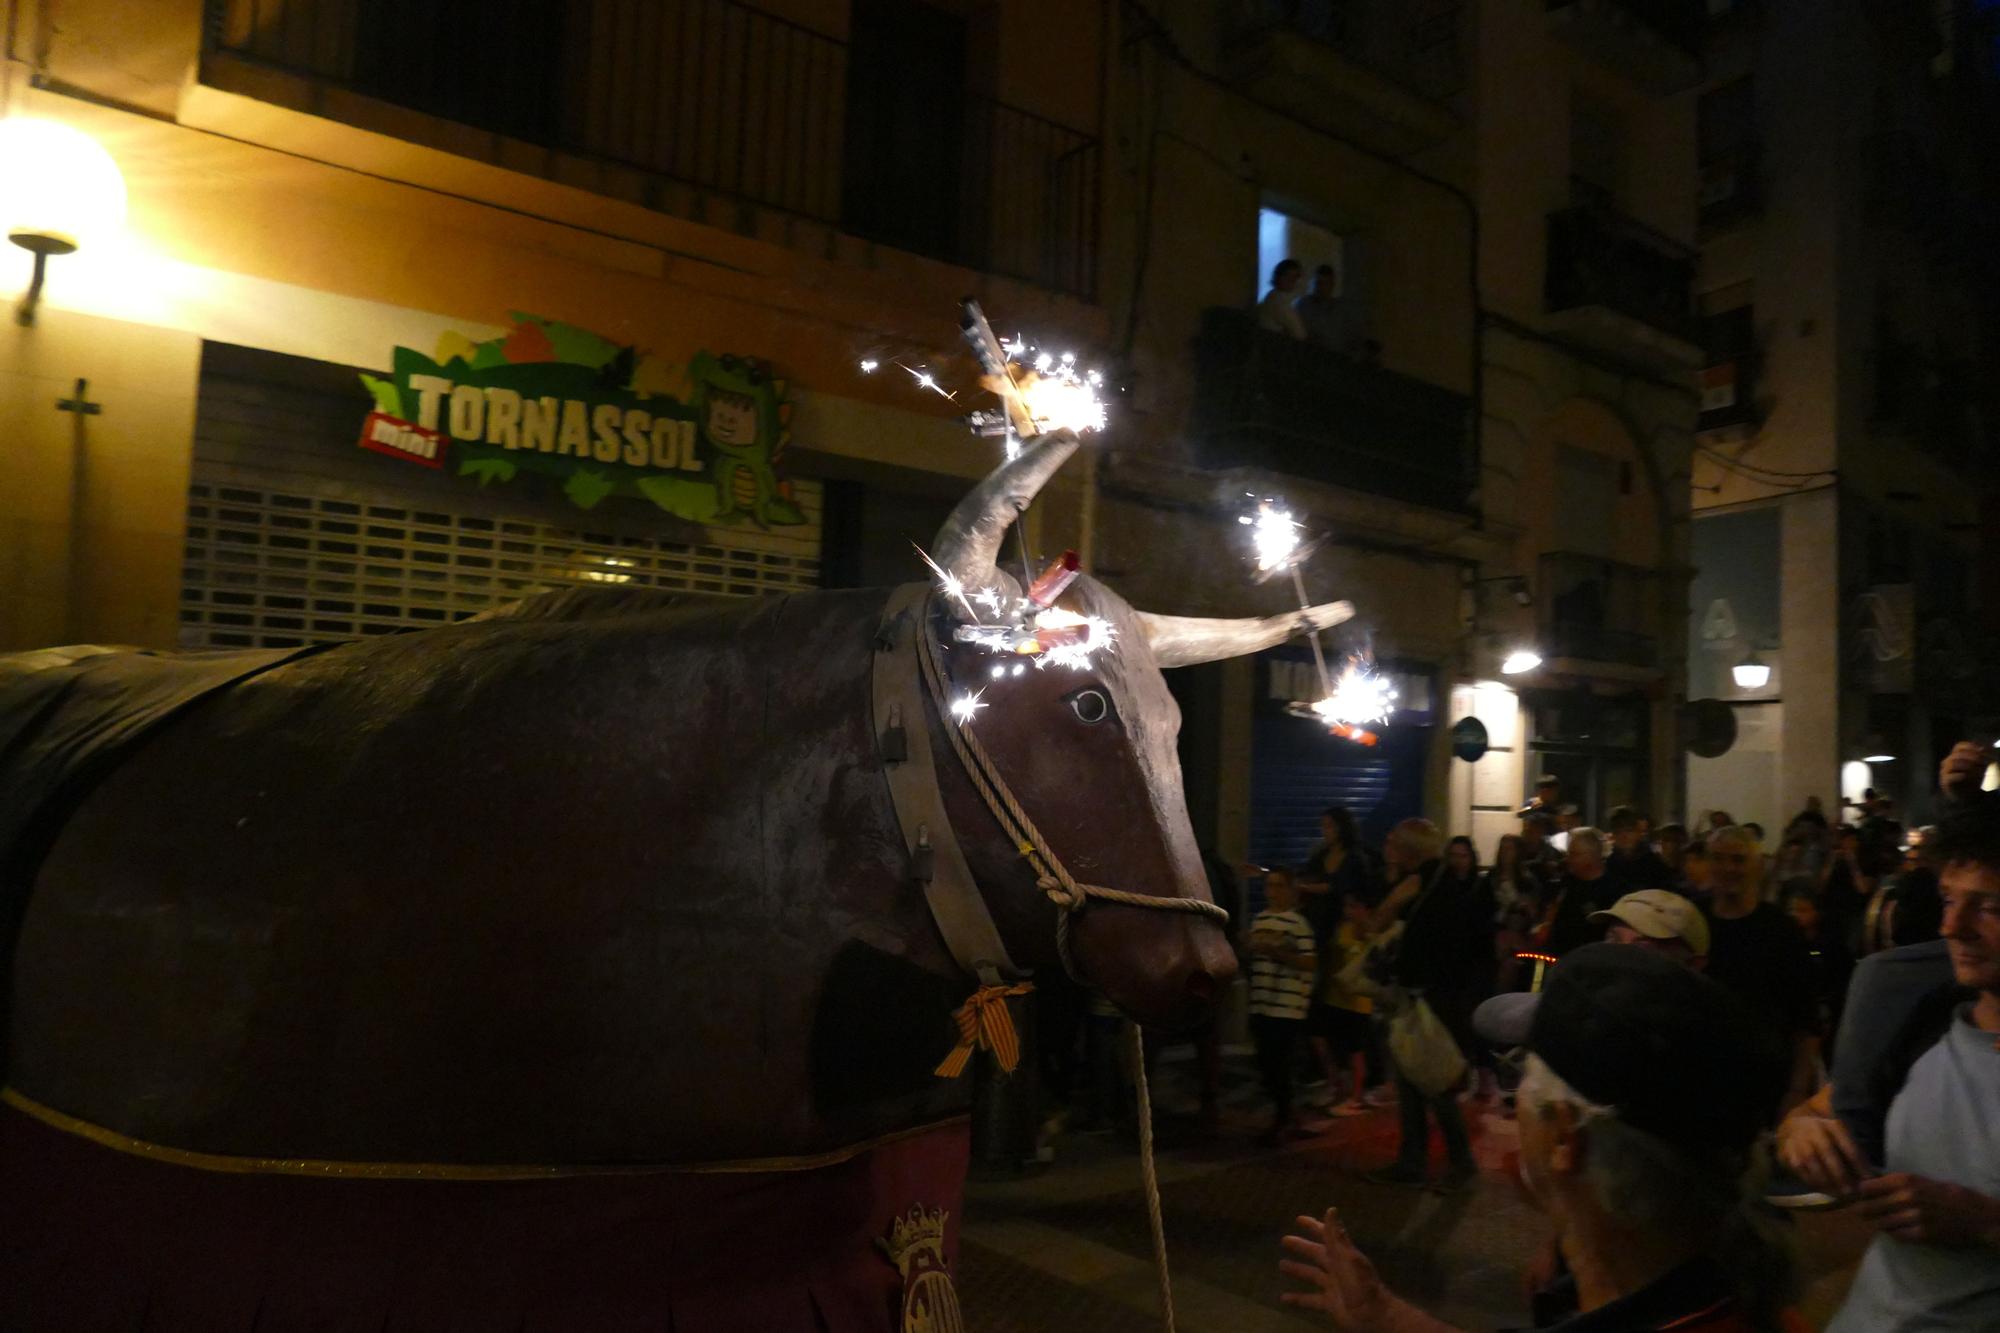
{"points": [[984, 1023]]}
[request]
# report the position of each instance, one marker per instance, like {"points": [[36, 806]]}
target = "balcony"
{"points": [[1267, 401], [1655, 43], [1380, 71], [1595, 611], [1732, 189], [1619, 287], [694, 108]]}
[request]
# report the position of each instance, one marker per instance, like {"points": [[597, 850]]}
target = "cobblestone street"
{"points": [[1066, 1247]]}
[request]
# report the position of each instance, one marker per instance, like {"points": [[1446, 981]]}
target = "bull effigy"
{"points": [[587, 964]]}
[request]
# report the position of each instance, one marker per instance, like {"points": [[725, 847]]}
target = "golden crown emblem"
{"points": [[919, 1230]]}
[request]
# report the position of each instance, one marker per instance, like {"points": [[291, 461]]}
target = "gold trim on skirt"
{"points": [[306, 1166]]}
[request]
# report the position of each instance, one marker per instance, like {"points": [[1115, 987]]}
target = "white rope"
{"points": [[1151, 1177]]}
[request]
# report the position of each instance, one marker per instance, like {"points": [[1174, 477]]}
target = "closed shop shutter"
{"points": [[297, 536]]}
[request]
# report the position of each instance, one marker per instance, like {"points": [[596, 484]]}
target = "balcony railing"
{"points": [[1599, 257], [1412, 42], [1265, 400], [715, 95], [1595, 610]]}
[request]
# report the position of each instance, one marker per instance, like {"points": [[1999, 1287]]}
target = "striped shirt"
{"points": [[1279, 989]]}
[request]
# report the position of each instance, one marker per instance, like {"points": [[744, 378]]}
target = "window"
{"points": [[1596, 151], [904, 180], [1281, 236]]}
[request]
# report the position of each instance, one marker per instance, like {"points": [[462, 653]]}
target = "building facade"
{"points": [[1842, 476]]}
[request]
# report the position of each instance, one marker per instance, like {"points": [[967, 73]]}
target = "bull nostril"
{"points": [[1200, 986]]}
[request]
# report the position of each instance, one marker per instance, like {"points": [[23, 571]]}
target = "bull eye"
{"points": [[1090, 706]]}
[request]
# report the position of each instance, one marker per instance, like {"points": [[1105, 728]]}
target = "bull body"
{"points": [[616, 884]]}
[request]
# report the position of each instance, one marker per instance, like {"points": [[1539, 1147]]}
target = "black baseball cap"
{"points": [[1675, 1053]]}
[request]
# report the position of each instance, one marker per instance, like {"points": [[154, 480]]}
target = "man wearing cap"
{"points": [[1644, 1094], [1659, 920]]}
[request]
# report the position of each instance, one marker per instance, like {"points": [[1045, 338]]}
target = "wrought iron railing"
{"points": [[1596, 610], [1600, 257], [1266, 400], [708, 93]]}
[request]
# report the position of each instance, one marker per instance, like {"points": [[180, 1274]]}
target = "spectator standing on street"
{"points": [[1757, 951], [1846, 888], [1275, 313], [1537, 827], [1579, 891], [1644, 1095], [1282, 968], [1632, 864], [1935, 1262], [1343, 1021], [1908, 907], [1446, 957], [1517, 893], [1832, 963], [1671, 841], [1337, 872]]}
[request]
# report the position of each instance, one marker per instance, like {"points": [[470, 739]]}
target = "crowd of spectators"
{"points": [[1676, 998]]}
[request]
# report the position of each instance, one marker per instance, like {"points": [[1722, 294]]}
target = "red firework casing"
{"points": [[1057, 577]]}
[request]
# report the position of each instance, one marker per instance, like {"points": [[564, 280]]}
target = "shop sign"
{"points": [[553, 403]]}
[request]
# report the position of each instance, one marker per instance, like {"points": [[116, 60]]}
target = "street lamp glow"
{"points": [[1751, 673], [61, 188], [1521, 659], [1878, 758]]}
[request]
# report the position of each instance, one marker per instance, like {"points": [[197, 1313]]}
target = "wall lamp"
{"points": [[1752, 673], [58, 189]]}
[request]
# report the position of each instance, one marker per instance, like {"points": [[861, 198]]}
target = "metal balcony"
{"points": [[1268, 401], [1618, 286], [709, 94], [1380, 71], [1593, 610], [1655, 43]]}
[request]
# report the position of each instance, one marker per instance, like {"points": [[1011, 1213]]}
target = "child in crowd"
{"points": [[1282, 964], [1346, 1016]]}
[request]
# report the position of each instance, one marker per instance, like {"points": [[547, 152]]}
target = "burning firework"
{"points": [[1359, 698], [1275, 534]]}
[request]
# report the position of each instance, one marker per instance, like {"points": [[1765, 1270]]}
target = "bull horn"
{"points": [[1191, 640], [968, 545]]}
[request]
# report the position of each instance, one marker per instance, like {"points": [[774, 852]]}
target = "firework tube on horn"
{"points": [[1055, 580]]}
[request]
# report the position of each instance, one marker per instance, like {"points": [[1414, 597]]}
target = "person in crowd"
{"points": [[1343, 1027], [1339, 870], [1846, 888], [1671, 841], [1275, 313], [1282, 968], [1719, 820], [1547, 797], [1935, 1201], [1961, 774], [1832, 962], [1645, 1092], [1633, 864], [1807, 845], [1568, 818], [1445, 956], [1756, 951], [1908, 907], [1660, 920], [1537, 828], [1579, 891], [1330, 319], [1517, 891], [1697, 879]]}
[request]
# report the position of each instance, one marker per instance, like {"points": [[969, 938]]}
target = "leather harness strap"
{"points": [[904, 738]]}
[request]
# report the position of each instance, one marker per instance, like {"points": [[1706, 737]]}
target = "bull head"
{"points": [[1091, 755]]}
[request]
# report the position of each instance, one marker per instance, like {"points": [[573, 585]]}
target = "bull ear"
{"points": [[968, 545], [1191, 640]]}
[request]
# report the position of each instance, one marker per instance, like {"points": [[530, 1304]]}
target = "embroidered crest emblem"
{"points": [[916, 1246]]}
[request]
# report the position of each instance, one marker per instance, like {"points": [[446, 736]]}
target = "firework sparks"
{"points": [[950, 584], [870, 366], [966, 707], [1360, 697], [925, 380], [1275, 534]]}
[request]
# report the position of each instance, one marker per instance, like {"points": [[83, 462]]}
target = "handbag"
{"points": [[1424, 1050]]}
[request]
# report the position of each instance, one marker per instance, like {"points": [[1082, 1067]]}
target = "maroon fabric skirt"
{"points": [[94, 1238]]}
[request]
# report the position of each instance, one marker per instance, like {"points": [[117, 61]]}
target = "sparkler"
{"points": [[926, 380], [966, 706], [1360, 697], [870, 366]]}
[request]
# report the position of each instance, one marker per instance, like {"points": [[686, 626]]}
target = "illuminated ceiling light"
{"points": [[1520, 660], [1878, 758], [1752, 673], [59, 190]]}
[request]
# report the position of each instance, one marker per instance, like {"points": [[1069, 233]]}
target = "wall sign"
{"points": [[554, 403]]}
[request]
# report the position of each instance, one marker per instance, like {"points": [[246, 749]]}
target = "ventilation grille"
{"points": [[271, 568]]}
